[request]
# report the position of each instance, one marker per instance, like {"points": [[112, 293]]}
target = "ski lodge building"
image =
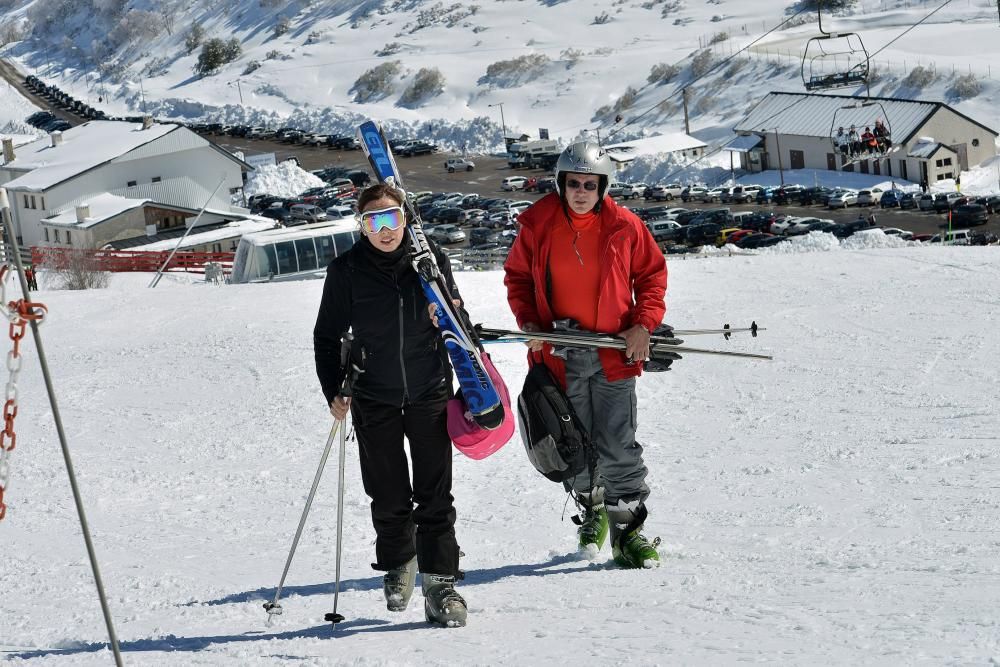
{"points": [[677, 144], [931, 141], [106, 182]]}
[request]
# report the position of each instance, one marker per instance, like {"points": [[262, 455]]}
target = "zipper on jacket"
{"points": [[402, 362]]}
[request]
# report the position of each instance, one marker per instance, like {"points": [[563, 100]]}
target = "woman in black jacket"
{"points": [[402, 390]]}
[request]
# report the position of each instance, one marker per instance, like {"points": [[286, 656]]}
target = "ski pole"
{"points": [[346, 391], [273, 608], [335, 617]]}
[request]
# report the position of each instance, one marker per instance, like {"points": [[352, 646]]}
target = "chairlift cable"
{"points": [[712, 69]]}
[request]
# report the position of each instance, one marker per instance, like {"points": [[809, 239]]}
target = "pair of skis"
{"points": [[478, 391], [661, 347]]}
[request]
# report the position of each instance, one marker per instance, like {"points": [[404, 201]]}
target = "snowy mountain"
{"points": [[433, 69]]}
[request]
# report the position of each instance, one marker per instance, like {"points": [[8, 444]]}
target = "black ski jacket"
{"points": [[378, 297]]}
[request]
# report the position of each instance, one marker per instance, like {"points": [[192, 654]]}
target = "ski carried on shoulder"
{"points": [[661, 347], [478, 390]]}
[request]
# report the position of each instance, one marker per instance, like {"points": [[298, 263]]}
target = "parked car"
{"points": [[663, 192], [898, 233], [845, 229], [908, 200], [339, 212], [458, 164], [744, 194], [692, 192], [702, 234], [991, 202], [657, 227], [616, 189], [447, 234], [788, 194], [890, 199], [634, 190], [945, 200], [301, 214], [869, 196], [417, 148], [983, 238], [956, 237], [759, 240], [782, 225], [843, 199], [968, 215], [926, 202], [804, 226], [713, 195], [512, 183]]}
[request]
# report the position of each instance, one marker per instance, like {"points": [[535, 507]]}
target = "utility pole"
{"points": [[777, 147], [143, 94], [687, 120], [503, 125], [240, 90]]}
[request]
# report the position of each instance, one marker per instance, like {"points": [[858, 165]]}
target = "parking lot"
{"points": [[427, 172]]}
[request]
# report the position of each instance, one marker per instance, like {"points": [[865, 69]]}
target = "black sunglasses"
{"points": [[574, 184]]}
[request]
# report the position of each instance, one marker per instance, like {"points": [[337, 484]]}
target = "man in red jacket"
{"points": [[579, 255]]}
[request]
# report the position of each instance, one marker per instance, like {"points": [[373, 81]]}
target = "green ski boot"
{"points": [[593, 524], [629, 547]]}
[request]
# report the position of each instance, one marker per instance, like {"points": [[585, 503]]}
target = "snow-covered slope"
{"points": [[837, 505], [568, 66]]}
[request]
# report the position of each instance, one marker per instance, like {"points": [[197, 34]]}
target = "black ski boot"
{"points": [[442, 603], [397, 584]]}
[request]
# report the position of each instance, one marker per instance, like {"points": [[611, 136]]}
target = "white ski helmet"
{"points": [[585, 157]]}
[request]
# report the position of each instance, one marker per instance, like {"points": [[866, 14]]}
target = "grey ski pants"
{"points": [[608, 412]]}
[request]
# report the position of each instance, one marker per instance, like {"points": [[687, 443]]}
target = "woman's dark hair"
{"points": [[378, 191]]}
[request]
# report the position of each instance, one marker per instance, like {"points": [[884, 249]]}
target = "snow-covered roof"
{"points": [[251, 225], [743, 143], [812, 115], [102, 207], [303, 231], [661, 143], [83, 147], [926, 149]]}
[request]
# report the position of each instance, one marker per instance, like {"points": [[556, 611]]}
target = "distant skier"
{"points": [[579, 255], [855, 141], [842, 142], [403, 391]]}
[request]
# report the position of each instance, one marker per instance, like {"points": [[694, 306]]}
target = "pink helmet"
{"points": [[469, 437]]}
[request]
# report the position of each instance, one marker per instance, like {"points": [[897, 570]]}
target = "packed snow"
{"points": [[285, 179], [837, 505]]}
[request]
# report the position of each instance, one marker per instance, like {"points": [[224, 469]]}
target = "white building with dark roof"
{"points": [[795, 131], [165, 163]]}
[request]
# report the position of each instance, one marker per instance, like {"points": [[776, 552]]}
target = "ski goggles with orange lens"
{"points": [[384, 218]]}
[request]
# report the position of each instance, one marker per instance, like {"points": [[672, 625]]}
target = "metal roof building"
{"points": [[794, 131]]}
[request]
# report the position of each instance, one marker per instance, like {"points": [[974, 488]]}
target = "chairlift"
{"points": [[834, 59], [859, 116]]}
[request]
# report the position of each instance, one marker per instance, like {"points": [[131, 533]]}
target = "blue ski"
{"points": [[478, 391]]}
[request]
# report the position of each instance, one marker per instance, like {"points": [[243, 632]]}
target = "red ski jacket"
{"points": [[633, 278]]}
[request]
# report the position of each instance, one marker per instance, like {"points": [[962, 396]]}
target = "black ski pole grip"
{"points": [[346, 340]]}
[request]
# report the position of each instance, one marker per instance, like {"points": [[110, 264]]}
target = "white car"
{"points": [[715, 194], [692, 193], [782, 226], [453, 199], [339, 212], [459, 164], [617, 189], [447, 234], [801, 225], [664, 192], [869, 197], [843, 199], [512, 183], [633, 190], [672, 213]]}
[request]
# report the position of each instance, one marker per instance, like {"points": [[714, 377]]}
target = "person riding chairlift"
{"points": [[842, 142], [855, 141], [882, 136], [868, 143]]}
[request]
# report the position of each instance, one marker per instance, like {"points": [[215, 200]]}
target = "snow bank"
{"points": [[286, 179]]}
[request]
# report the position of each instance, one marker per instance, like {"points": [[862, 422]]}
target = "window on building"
{"points": [[947, 162], [42, 204], [940, 177], [216, 247], [57, 236], [939, 163], [156, 179], [130, 184], [947, 174], [25, 201], [69, 239], [33, 201], [46, 230]]}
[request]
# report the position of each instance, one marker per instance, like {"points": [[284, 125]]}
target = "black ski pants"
{"points": [[417, 519]]}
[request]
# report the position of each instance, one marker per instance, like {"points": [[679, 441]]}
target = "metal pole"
{"points": [[57, 418], [503, 125], [777, 146], [159, 274], [143, 94], [273, 607], [335, 617]]}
